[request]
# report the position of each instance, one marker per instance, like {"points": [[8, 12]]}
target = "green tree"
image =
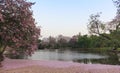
{"points": [[110, 31], [84, 41], [94, 41]]}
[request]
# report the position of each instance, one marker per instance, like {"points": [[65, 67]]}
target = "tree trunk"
{"points": [[2, 49], [1, 58]]}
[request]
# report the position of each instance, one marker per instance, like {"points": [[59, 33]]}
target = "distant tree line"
{"points": [[100, 35], [81, 42]]}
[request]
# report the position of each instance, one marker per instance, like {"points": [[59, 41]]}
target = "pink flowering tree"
{"points": [[18, 32]]}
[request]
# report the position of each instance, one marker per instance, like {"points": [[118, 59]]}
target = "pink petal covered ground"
{"points": [[37, 66]]}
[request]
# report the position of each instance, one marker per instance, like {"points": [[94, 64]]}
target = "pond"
{"points": [[75, 56]]}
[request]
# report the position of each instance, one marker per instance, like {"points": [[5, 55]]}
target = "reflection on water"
{"points": [[75, 56]]}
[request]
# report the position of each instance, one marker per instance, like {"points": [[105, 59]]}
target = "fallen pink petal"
{"points": [[39, 66], [59, 36]]}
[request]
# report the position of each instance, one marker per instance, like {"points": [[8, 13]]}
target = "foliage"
{"points": [[95, 26], [18, 32], [83, 41], [110, 30], [73, 42], [102, 34]]}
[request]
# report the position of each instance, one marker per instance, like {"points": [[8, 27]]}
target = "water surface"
{"points": [[75, 56]]}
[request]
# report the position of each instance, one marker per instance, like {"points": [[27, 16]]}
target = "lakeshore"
{"points": [[40, 66]]}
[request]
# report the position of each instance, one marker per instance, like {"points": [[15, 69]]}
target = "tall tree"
{"points": [[52, 42], [96, 26], [84, 41], [18, 31]]}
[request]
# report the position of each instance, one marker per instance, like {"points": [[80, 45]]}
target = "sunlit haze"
{"points": [[69, 17]]}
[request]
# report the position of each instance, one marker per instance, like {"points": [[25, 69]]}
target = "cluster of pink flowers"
{"points": [[17, 26]]}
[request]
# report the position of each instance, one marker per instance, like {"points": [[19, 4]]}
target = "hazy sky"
{"points": [[69, 17]]}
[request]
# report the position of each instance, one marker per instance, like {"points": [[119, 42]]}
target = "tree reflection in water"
{"points": [[113, 59]]}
